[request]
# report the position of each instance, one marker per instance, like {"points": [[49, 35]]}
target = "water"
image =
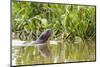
{"points": [[62, 52]]}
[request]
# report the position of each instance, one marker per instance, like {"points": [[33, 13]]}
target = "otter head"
{"points": [[48, 32]]}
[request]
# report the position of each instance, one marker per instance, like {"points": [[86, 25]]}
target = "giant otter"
{"points": [[43, 49], [44, 37]]}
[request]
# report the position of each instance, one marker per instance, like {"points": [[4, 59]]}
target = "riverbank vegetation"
{"points": [[73, 25]]}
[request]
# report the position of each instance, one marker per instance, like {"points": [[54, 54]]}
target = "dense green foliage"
{"points": [[30, 19]]}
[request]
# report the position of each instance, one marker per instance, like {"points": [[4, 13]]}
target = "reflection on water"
{"points": [[63, 52]]}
